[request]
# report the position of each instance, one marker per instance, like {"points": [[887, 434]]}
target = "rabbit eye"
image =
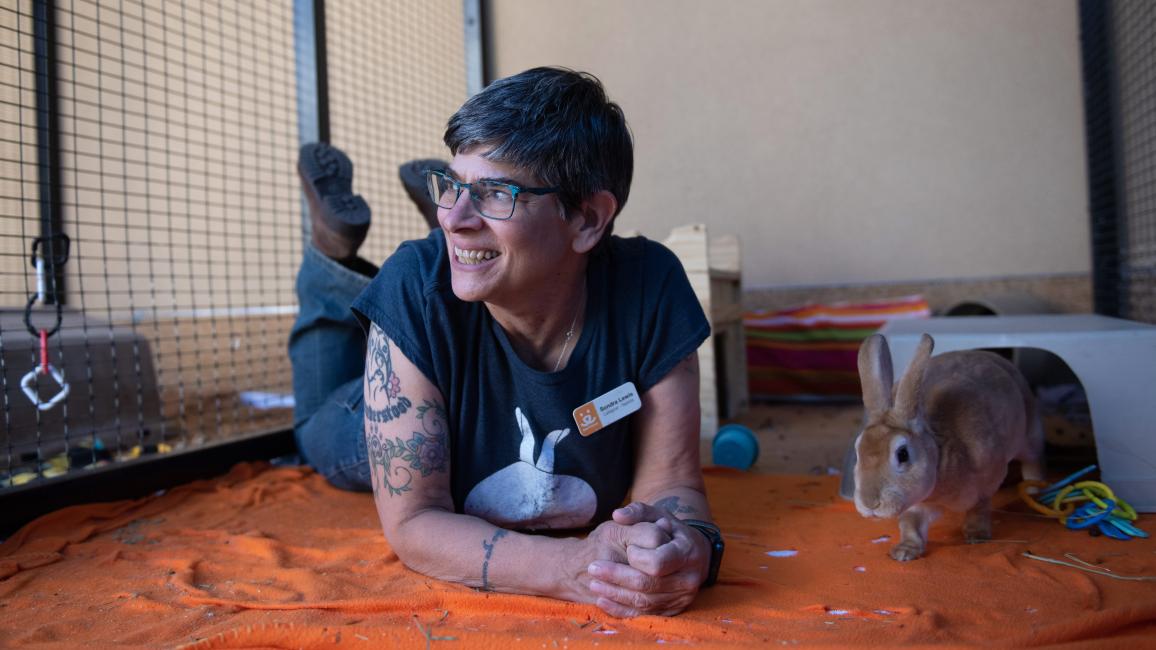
{"points": [[901, 455]]}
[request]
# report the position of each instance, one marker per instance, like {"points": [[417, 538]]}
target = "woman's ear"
{"points": [[592, 219]]}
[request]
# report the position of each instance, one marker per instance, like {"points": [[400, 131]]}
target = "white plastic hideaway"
{"points": [[1114, 359]]}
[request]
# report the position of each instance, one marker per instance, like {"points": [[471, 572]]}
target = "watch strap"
{"points": [[715, 539]]}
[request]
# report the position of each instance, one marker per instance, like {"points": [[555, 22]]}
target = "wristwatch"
{"points": [[715, 538]]}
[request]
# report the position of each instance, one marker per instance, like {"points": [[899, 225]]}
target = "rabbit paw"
{"points": [[977, 524], [977, 532], [905, 551]]}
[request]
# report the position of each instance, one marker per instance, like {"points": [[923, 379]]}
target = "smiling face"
{"points": [[503, 262]]}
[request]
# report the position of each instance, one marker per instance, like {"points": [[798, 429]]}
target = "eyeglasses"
{"points": [[492, 199]]}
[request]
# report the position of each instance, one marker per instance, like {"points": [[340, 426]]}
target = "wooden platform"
{"points": [[714, 267]]}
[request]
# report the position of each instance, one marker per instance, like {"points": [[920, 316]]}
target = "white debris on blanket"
{"points": [[880, 540], [861, 569], [884, 612], [785, 553], [838, 612]]}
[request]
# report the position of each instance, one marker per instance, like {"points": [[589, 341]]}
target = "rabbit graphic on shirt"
{"points": [[528, 494]]}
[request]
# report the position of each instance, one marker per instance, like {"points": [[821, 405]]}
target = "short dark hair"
{"points": [[556, 123]]}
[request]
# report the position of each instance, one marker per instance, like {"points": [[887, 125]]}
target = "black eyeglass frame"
{"points": [[458, 186]]}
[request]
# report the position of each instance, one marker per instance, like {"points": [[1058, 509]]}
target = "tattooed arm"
{"points": [[668, 472], [407, 434], [667, 488]]}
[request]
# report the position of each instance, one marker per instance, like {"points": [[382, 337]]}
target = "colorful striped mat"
{"points": [[811, 351]]}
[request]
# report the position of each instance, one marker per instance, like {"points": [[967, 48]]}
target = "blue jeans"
{"points": [[327, 350]]}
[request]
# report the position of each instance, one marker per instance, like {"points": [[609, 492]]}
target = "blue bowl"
{"points": [[735, 446]]}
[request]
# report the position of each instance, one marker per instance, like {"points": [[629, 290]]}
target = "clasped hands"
{"points": [[648, 562]]}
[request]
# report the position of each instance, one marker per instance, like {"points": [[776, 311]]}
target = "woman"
{"points": [[525, 371]]}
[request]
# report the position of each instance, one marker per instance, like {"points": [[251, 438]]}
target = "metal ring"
{"points": [[28, 318]]}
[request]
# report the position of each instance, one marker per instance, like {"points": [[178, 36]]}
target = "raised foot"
{"points": [[339, 218]]}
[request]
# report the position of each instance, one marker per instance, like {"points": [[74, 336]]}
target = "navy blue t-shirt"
{"points": [[517, 459]]}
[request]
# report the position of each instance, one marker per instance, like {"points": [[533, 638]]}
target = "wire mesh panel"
{"points": [[1099, 132], [19, 205], [1134, 27], [175, 138], [396, 74], [1119, 56]]}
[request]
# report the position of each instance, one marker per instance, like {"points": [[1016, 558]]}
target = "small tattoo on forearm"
{"points": [[671, 505], [489, 546]]}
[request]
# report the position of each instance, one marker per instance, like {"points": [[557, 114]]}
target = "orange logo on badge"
{"points": [[586, 417], [606, 409]]}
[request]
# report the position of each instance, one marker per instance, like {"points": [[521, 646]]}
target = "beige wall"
{"points": [[844, 141]]}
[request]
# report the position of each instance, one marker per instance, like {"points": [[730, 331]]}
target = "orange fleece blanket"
{"points": [[274, 557]]}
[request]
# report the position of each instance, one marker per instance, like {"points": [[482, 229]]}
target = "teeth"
{"points": [[474, 256]]}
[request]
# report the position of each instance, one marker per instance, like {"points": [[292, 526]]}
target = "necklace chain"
{"points": [[569, 335]]}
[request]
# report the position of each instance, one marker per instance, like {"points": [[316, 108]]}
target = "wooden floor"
{"points": [[812, 438], [800, 438]]}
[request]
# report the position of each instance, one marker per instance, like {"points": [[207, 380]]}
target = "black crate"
{"points": [[112, 408]]}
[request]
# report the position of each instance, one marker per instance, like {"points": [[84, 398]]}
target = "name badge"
{"points": [[607, 409]]}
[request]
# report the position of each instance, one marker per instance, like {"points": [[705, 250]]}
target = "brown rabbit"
{"points": [[942, 439]]}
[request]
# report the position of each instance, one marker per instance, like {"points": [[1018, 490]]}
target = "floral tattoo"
{"points": [[394, 461], [424, 453]]}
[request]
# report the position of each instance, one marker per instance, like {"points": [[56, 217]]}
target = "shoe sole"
{"points": [[345, 212]]}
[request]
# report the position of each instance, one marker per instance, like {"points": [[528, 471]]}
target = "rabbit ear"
{"points": [[910, 389], [875, 374], [546, 456], [526, 450]]}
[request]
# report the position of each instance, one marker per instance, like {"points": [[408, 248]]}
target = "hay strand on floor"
{"points": [[1101, 572]]}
